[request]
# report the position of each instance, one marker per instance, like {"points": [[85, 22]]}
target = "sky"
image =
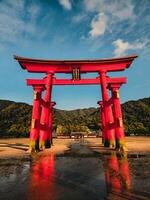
{"points": [[74, 29]]}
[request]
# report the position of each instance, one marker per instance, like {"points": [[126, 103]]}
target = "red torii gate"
{"points": [[112, 123]]}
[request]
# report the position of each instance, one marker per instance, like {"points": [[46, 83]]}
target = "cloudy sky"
{"points": [[74, 29]]}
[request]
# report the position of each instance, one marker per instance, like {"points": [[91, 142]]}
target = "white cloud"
{"points": [[98, 25], [120, 10], [93, 5], [17, 20], [121, 46], [114, 12], [16, 4], [33, 10], [79, 18], [66, 4]]}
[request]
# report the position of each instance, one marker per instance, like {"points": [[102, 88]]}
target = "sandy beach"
{"points": [[17, 148]]}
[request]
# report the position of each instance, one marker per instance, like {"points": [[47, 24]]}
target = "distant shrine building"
{"points": [[111, 115]]}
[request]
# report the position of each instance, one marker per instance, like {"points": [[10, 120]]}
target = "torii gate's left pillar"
{"points": [[44, 132], [35, 122]]}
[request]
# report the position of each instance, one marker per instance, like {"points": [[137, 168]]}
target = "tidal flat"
{"points": [[74, 169]]}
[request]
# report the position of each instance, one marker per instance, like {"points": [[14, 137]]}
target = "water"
{"points": [[83, 176]]}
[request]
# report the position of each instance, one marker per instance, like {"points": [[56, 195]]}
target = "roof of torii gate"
{"points": [[66, 66]]}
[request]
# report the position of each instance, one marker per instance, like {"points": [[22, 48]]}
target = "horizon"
{"points": [[74, 29]]}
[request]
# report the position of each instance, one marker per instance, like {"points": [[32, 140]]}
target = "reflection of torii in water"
{"points": [[118, 178], [117, 173], [42, 179], [113, 129]]}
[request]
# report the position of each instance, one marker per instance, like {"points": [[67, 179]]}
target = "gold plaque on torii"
{"points": [[76, 74]]}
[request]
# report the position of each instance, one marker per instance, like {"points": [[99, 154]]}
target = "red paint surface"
{"points": [[66, 66], [87, 81], [51, 120], [46, 109], [103, 120], [42, 180], [117, 173], [111, 130], [117, 111], [34, 131]]}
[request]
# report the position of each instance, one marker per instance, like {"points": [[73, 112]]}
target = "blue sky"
{"points": [[74, 29]]}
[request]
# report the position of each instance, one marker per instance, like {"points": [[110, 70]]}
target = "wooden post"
{"points": [[103, 120], [35, 122], [119, 127], [44, 142], [50, 137], [110, 131]]}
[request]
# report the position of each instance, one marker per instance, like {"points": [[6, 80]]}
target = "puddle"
{"points": [[78, 174]]}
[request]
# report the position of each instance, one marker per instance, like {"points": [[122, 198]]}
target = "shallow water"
{"points": [[82, 177]]}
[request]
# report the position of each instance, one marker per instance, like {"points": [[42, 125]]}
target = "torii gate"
{"points": [[111, 115]]}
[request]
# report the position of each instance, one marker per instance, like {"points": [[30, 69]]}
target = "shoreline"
{"points": [[16, 148]]}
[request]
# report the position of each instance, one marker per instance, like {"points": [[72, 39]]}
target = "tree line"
{"points": [[15, 119]]}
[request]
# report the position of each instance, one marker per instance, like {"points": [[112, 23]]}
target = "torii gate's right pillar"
{"points": [[109, 120], [119, 127], [102, 121], [50, 136]]}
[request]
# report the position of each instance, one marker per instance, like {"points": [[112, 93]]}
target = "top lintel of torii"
{"points": [[66, 66]]}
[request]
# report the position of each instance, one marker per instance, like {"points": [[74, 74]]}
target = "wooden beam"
{"points": [[89, 81]]}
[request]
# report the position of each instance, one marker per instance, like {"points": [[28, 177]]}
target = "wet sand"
{"points": [[74, 169], [17, 148]]}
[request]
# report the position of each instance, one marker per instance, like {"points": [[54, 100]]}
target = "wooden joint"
{"points": [[120, 122], [117, 94], [36, 95], [33, 123]]}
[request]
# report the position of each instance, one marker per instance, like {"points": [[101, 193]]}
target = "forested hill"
{"points": [[15, 118]]}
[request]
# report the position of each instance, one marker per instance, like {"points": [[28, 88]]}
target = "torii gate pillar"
{"points": [[109, 129], [102, 120], [119, 127], [35, 122], [50, 136], [44, 142]]}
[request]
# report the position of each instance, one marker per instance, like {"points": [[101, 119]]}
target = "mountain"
{"points": [[15, 118]]}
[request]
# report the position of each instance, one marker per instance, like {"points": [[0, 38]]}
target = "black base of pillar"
{"points": [[47, 144], [37, 146], [106, 143], [110, 143]]}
